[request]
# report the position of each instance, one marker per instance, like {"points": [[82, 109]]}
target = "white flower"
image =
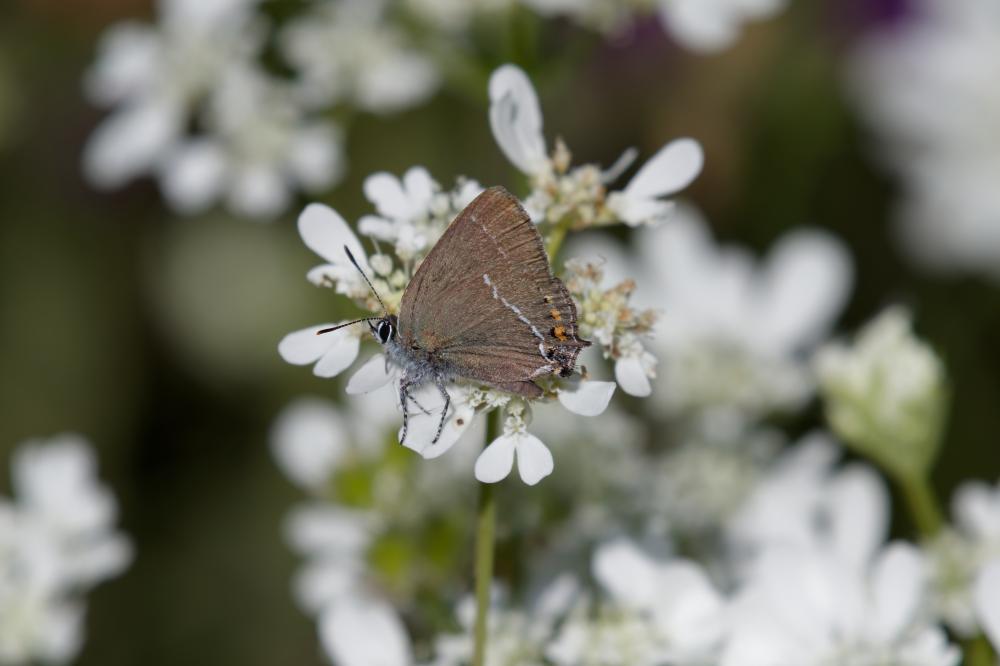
{"points": [[927, 88], [960, 553], [669, 171], [156, 75], [606, 316], [885, 395], [732, 330], [698, 485], [252, 146], [413, 212], [987, 602], [364, 632], [686, 612], [258, 149], [712, 25], [515, 637], [308, 440], [561, 195], [348, 51], [57, 540], [802, 501], [807, 607]]}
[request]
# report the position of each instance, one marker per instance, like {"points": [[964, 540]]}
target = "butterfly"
{"points": [[482, 307]]}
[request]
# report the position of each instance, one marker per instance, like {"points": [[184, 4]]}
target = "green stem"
{"points": [[556, 238], [485, 527], [923, 504], [977, 652]]}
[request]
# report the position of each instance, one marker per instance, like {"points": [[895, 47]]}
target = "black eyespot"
{"points": [[384, 332]]}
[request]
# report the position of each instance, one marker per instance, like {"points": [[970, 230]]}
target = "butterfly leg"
{"points": [[404, 394], [419, 406], [444, 410]]}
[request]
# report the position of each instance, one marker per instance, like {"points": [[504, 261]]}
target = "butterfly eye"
{"points": [[384, 332]]}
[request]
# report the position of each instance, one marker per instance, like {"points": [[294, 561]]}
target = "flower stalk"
{"points": [[486, 518]]}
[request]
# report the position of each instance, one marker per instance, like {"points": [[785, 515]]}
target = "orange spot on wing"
{"points": [[560, 333], [555, 314]]}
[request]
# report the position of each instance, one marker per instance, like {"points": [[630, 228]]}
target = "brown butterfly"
{"points": [[483, 306]]}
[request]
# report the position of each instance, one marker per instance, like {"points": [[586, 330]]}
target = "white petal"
{"points": [[308, 439], [386, 192], [304, 346], [897, 587], [516, 119], [534, 460], [317, 157], [632, 377], [364, 632], [339, 356], [130, 143], [669, 170], [423, 427], [700, 25], [369, 377], [258, 191], [496, 460], [419, 187], [986, 598], [193, 176], [858, 501], [326, 233], [590, 398], [625, 572], [804, 287]]}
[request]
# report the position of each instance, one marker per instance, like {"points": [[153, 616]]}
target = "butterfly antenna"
{"points": [[348, 323], [370, 285]]}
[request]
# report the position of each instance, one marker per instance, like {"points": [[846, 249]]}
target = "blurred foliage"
{"points": [[156, 336]]}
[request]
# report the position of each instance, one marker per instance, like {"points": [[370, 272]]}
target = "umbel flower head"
{"points": [[886, 395], [412, 214]]}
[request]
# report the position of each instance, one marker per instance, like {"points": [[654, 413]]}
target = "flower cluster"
{"points": [[57, 540], [198, 103], [887, 394], [412, 213], [927, 89], [607, 318], [578, 198]]}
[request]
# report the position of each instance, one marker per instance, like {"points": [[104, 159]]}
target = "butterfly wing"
{"points": [[485, 303]]}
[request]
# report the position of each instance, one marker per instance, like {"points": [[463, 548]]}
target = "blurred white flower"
{"points": [[365, 632], [962, 551], [686, 613], [515, 637], [156, 76], [577, 197], [886, 394], [732, 332], [808, 607], [804, 501], [928, 88], [701, 482], [194, 107], [348, 51], [57, 540], [712, 25], [257, 149], [987, 602], [308, 440]]}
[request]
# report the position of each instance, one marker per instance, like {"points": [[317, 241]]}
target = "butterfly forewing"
{"points": [[499, 316]]}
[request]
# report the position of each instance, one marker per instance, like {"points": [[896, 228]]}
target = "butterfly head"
{"points": [[384, 329]]}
